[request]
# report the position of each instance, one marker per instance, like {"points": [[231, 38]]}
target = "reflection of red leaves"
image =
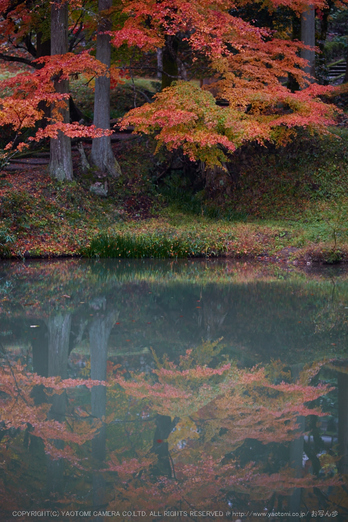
{"points": [[112, 368], [159, 441]]}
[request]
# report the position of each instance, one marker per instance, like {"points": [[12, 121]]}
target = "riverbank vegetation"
{"points": [[273, 203]]}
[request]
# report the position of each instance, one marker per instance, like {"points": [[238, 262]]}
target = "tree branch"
{"points": [[19, 59]]}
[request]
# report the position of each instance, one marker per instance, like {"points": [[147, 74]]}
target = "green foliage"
{"points": [[281, 183], [158, 244], [328, 223], [181, 197], [6, 239]]}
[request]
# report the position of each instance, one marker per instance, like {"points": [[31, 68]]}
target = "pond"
{"points": [[161, 390]]}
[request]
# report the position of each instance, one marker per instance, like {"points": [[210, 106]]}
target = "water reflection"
{"points": [[187, 423]]}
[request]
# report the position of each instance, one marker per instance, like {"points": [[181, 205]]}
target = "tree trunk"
{"points": [[43, 48], [102, 155], [308, 38], [159, 54], [345, 79], [170, 62], [60, 149], [324, 25]]}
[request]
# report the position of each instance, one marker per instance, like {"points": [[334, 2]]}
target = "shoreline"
{"points": [[284, 259]]}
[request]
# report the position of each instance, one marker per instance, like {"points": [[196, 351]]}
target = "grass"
{"points": [[160, 239], [178, 235], [43, 218]]}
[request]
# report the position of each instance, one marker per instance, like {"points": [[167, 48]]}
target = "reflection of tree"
{"points": [[164, 427], [268, 308], [29, 429], [99, 333], [58, 352], [214, 309], [296, 452], [217, 412], [197, 455], [343, 421], [188, 434]]}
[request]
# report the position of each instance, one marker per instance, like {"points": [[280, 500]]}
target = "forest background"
{"points": [[239, 113]]}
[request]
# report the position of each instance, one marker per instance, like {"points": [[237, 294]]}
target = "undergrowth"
{"points": [[168, 243]]}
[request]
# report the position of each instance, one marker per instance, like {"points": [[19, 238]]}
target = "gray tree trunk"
{"points": [[308, 38], [102, 155], [60, 166], [159, 54]]}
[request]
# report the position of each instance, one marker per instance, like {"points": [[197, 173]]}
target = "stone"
{"points": [[99, 189]]}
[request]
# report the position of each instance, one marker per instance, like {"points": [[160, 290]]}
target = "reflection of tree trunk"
{"points": [[99, 333], [39, 344], [58, 353], [164, 426], [296, 452], [343, 421], [214, 314], [211, 315], [58, 344]]}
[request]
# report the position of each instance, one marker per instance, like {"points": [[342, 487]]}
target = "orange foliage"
{"points": [[20, 411], [249, 65], [22, 107], [215, 410]]}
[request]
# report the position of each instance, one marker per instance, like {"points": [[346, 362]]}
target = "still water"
{"points": [[193, 390]]}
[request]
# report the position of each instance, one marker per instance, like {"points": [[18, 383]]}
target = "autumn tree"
{"points": [[102, 155], [248, 65], [27, 96]]}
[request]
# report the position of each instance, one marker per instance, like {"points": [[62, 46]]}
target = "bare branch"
{"points": [[19, 59]]}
